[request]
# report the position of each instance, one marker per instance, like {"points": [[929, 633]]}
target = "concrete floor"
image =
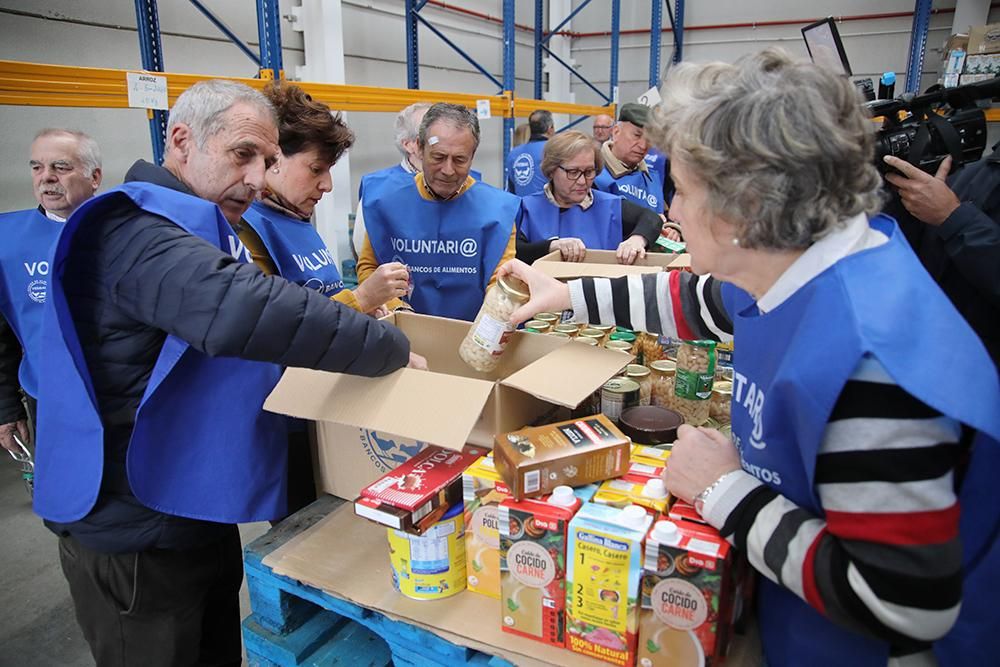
{"points": [[37, 625]]}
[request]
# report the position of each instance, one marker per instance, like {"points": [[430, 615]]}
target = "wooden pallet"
{"points": [[293, 624]]}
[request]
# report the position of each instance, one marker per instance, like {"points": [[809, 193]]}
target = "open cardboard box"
{"points": [[604, 264], [367, 426]]}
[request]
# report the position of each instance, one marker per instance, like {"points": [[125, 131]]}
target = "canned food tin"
{"points": [[618, 394], [430, 566]]}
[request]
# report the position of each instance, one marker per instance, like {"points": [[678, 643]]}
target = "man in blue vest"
{"points": [[65, 172], [451, 230], [524, 164], [625, 170], [164, 342]]}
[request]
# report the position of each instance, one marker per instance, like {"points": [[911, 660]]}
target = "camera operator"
{"points": [[953, 225]]}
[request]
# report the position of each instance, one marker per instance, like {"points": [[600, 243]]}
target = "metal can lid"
{"points": [[664, 366], [622, 345], [587, 341], [547, 317], [709, 344], [623, 335], [591, 332], [514, 287], [558, 334], [637, 371], [620, 385]]}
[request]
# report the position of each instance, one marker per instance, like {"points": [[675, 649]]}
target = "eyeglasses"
{"points": [[601, 127], [575, 174]]}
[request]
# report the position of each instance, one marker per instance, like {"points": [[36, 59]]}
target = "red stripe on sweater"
{"points": [[683, 330], [902, 528], [809, 587]]}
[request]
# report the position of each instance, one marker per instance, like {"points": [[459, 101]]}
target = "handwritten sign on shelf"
{"points": [[147, 91]]}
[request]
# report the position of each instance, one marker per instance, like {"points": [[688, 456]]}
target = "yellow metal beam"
{"points": [[34, 84], [524, 106]]}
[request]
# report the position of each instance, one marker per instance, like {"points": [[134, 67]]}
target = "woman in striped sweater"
{"points": [[866, 413]]}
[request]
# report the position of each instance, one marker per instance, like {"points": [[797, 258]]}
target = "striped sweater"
{"points": [[885, 560]]}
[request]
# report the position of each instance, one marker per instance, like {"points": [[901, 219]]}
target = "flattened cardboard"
{"points": [[357, 570], [600, 263], [568, 375]]}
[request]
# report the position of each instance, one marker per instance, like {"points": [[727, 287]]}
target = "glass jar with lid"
{"points": [[487, 338], [642, 375]]}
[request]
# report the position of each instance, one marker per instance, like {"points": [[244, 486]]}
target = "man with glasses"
{"points": [[602, 128], [569, 216], [625, 170]]}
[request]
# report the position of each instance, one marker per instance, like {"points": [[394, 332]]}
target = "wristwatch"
{"points": [[699, 501]]}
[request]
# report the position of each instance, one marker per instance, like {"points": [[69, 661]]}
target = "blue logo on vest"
{"points": [[37, 289], [387, 454], [639, 193], [524, 169]]}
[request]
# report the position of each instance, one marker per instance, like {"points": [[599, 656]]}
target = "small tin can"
{"points": [[430, 566], [617, 394]]}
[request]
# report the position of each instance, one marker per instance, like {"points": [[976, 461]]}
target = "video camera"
{"points": [[948, 121]]}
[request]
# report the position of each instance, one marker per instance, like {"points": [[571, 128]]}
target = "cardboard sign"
{"points": [[147, 91]]}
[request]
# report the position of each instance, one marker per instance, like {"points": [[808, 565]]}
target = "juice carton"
{"points": [[535, 460], [651, 494], [688, 593], [603, 575], [653, 456], [533, 565], [482, 491]]}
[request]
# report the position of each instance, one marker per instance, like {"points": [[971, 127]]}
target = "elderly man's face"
{"points": [[602, 128], [229, 168], [58, 177], [447, 157], [629, 143]]}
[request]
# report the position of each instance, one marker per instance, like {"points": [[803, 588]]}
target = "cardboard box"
{"points": [[366, 424], [534, 461], [984, 39], [604, 263], [415, 495]]}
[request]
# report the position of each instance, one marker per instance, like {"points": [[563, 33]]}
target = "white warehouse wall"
{"points": [[99, 33]]}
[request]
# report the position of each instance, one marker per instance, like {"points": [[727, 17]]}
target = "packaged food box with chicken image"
{"points": [[482, 492], [417, 494]]}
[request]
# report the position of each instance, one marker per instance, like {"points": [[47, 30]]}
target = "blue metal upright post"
{"points": [[269, 32], [151, 48], [678, 30], [655, 31], [616, 12], [918, 44], [539, 24], [412, 50], [508, 75]]}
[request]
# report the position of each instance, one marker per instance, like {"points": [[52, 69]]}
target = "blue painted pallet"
{"points": [[295, 625]]}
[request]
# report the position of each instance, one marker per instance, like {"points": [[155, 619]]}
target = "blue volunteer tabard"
{"points": [[599, 227], [297, 249], [792, 366], [643, 188], [201, 447], [24, 274], [450, 247], [524, 168], [397, 170]]}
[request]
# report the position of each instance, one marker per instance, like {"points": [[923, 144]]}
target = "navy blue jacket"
{"points": [[124, 291]]}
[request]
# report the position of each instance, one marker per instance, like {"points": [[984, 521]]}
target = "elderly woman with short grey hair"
{"points": [[569, 216], [865, 411]]}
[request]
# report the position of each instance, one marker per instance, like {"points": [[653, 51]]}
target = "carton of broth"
{"points": [[688, 592], [533, 565], [603, 575], [482, 492]]}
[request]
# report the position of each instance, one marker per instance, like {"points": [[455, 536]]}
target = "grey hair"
{"points": [[405, 128], [454, 114], [202, 107], [784, 148], [87, 150]]}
